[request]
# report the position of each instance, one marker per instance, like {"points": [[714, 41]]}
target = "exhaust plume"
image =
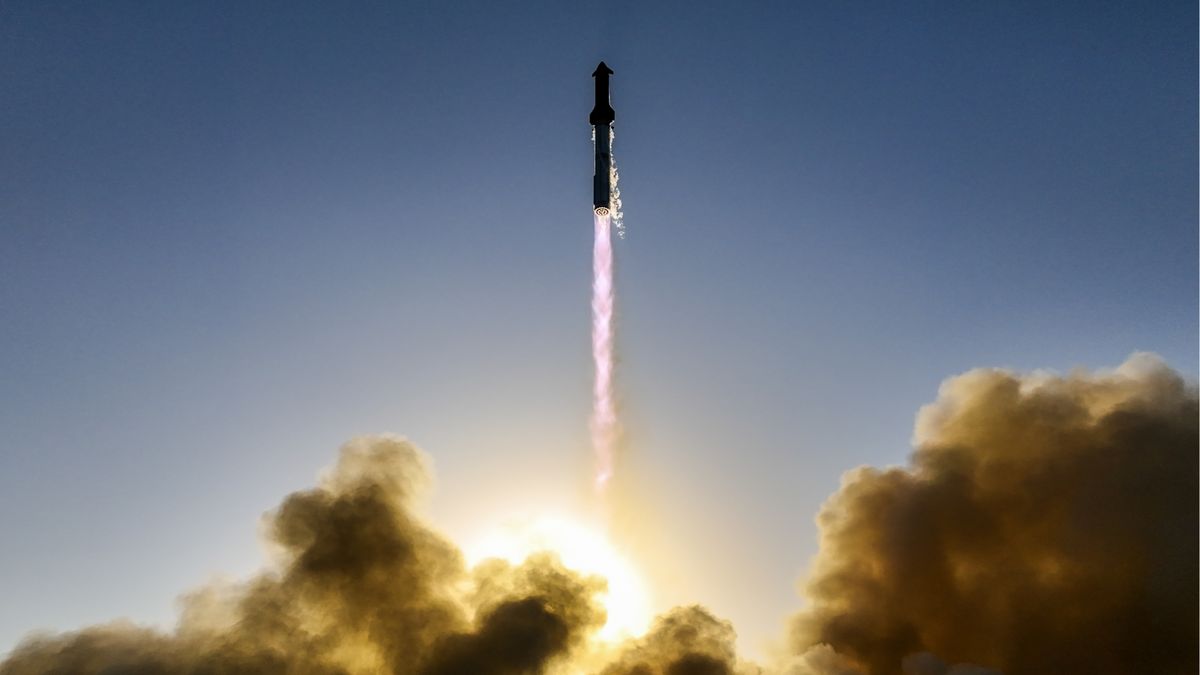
{"points": [[604, 414], [1046, 525]]}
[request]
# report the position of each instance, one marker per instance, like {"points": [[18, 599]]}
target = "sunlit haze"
{"points": [[581, 547]]}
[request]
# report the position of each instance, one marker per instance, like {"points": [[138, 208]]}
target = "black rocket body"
{"points": [[601, 119]]}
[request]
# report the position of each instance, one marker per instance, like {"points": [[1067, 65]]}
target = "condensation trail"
{"points": [[604, 414]]}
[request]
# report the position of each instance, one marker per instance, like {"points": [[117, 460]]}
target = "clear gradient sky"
{"points": [[235, 234]]}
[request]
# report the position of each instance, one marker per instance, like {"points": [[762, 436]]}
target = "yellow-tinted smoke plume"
{"points": [[1047, 525], [362, 587]]}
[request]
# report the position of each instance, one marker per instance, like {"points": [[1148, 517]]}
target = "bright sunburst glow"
{"points": [[580, 549]]}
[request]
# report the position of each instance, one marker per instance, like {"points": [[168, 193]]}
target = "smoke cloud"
{"points": [[361, 586], [684, 641], [1046, 525]]}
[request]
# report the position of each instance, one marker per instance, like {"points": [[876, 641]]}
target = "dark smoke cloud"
{"points": [[684, 641], [1047, 525], [362, 586]]}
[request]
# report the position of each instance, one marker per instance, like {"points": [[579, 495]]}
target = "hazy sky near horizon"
{"points": [[235, 234]]}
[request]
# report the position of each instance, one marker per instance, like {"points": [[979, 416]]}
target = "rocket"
{"points": [[601, 119]]}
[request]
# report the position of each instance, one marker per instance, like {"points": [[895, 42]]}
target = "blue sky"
{"points": [[234, 235]]}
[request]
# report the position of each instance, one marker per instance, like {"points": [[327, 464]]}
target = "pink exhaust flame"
{"points": [[604, 414]]}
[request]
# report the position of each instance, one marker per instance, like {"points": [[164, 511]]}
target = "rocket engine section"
{"points": [[602, 181]]}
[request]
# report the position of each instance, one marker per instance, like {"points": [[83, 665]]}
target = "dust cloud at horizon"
{"points": [[1046, 524]]}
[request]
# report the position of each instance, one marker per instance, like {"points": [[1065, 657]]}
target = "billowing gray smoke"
{"points": [[1047, 525]]}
